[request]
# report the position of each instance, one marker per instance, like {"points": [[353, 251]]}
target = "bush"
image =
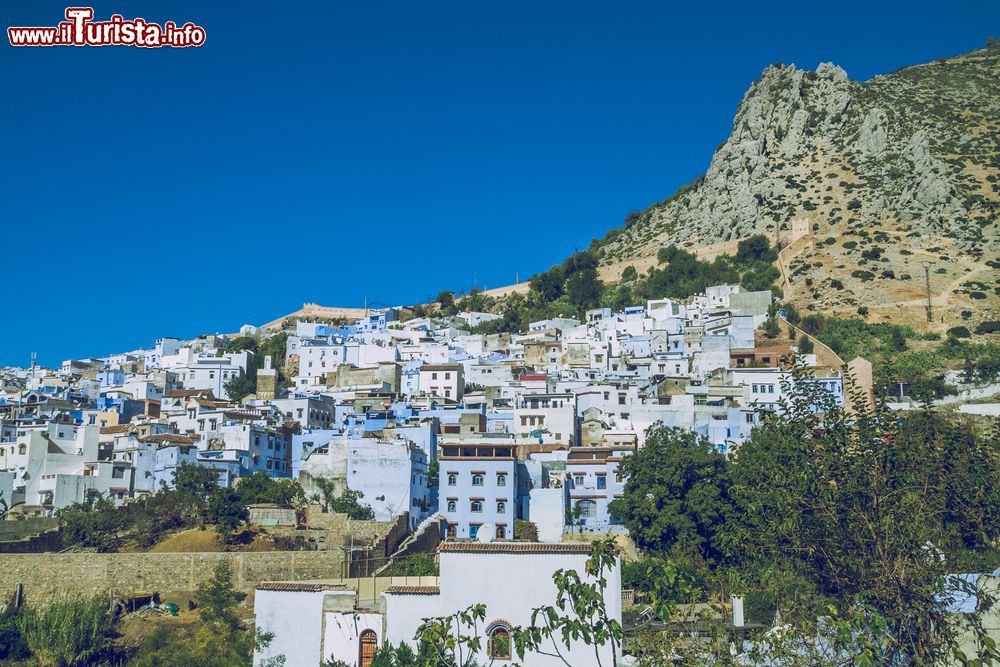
{"points": [[525, 531], [417, 565], [990, 326], [959, 332], [69, 632]]}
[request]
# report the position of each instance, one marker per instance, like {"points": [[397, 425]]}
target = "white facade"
{"points": [[511, 579]]}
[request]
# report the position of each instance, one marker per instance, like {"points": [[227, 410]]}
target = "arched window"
{"points": [[477, 480], [477, 505], [587, 509], [368, 646], [501, 507], [22, 449], [499, 644], [452, 506]]}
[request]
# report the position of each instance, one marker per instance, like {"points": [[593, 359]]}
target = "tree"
{"points": [[629, 273], [227, 511], [869, 512], [445, 298], [584, 289], [95, 522], [220, 640], [239, 387], [348, 502], [676, 494], [771, 328], [216, 596], [791, 314], [755, 249], [262, 488], [805, 344], [196, 481], [549, 285]]}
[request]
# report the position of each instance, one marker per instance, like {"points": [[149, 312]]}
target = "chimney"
{"points": [[737, 612], [267, 362]]}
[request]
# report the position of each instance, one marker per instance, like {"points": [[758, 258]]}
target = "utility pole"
{"points": [[927, 283]]}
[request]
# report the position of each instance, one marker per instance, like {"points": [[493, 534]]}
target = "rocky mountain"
{"points": [[883, 177]]}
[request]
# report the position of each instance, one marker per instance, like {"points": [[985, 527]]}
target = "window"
{"points": [[477, 506], [578, 480], [501, 507], [452, 530], [755, 389], [452, 479], [602, 482], [501, 532], [474, 529], [498, 646], [434, 376], [118, 473], [770, 388], [587, 509], [452, 506], [477, 480], [22, 449], [502, 479]]}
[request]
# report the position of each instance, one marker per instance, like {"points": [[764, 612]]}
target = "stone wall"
{"points": [[47, 576]]}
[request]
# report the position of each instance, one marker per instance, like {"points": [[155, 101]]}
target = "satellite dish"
{"points": [[486, 533]]}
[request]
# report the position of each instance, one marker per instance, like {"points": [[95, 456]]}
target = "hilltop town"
{"points": [[754, 425]]}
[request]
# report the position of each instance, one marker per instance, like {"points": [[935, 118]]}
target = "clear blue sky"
{"points": [[332, 151]]}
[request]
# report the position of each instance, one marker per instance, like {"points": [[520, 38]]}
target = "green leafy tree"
{"points": [[262, 488], [445, 298], [755, 249], [226, 509], [583, 288], [676, 494], [239, 387], [347, 502], [870, 512], [549, 285], [771, 329], [221, 638]]}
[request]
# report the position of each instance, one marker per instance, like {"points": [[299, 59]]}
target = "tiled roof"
{"points": [[515, 547], [117, 428], [413, 590], [298, 586], [186, 393]]}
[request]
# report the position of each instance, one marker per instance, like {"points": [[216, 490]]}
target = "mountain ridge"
{"points": [[899, 169]]}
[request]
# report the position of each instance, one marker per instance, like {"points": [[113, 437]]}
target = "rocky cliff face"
{"points": [[904, 163]]}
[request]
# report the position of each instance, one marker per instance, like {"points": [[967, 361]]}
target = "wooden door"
{"points": [[369, 645]]}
